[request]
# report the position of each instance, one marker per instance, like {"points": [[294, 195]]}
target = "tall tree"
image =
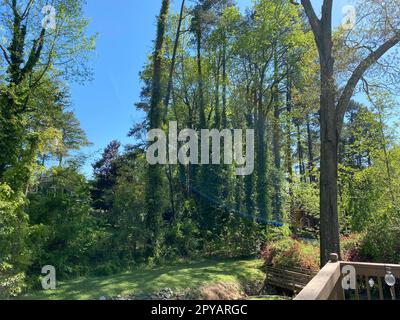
{"points": [[35, 52], [333, 105], [105, 171], [154, 192]]}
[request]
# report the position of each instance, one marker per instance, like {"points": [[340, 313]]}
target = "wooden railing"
{"points": [[370, 282]]}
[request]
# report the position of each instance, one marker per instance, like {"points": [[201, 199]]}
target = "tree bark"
{"points": [[154, 192], [332, 118], [276, 148], [310, 151], [202, 115], [168, 98], [300, 153], [224, 88], [262, 199], [172, 67], [329, 221], [289, 160]]}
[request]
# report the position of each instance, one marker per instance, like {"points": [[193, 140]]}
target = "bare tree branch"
{"points": [[5, 54], [357, 75], [34, 54], [312, 17]]}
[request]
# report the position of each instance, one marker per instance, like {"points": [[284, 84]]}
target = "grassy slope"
{"points": [[182, 276]]}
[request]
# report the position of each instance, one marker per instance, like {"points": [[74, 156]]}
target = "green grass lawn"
{"points": [[182, 276]]}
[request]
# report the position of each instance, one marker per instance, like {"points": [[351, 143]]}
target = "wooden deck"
{"points": [[369, 282]]}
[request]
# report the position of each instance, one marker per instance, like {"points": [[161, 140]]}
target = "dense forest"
{"points": [[321, 99]]}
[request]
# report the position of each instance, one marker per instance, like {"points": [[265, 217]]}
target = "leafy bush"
{"points": [[291, 253], [14, 255], [11, 283], [240, 238], [381, 243], [306, 197], [63, 231], [106, 269], [351, 247], [369, 194]]}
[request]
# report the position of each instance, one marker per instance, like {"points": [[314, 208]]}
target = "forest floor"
{"points": [[210, 275]]}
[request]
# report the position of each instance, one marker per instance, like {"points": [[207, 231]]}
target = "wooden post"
{"points": [[381, 296], [368, 288], [333, 257]]}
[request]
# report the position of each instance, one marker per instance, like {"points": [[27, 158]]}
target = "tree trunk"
{"points": [[329, 218], [217, 90], [276, 138], [310, 151], [202, 115], [154, 192], [276, 148], [172, 67], [249, 181], [167, 100], [300, 152], [289, 160], [332, 117], [224, 89], [261, 166]]}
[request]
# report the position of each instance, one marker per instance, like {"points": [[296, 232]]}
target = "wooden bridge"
{"points": [[292, 279]]}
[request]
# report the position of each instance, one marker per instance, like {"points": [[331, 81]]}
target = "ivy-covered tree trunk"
{"points": [[224, 88], [300, 152], [155, 185], [310, 151], [262, 159], [249, 180], [288, 141], [276, 148], [200, 80]]}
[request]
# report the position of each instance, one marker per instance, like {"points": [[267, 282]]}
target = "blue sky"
{"points": [[105, 106]]}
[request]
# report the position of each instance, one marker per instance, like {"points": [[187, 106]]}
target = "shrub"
{"points": [[381, 243], [11, 283], [63, 232], [306, 198], [107, 269], [291, 253], [351, 247], [14, 230]]}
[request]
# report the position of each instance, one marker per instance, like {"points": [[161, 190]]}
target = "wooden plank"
{"points": [[373, 269], [294, 279], [338, 292], [296, 270], [393, 293], [284, 281], [290, 276], [288, 271], [368, 288], [321, 287], [356, 291], [284, 273], [339, 289], [380, 288]]}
